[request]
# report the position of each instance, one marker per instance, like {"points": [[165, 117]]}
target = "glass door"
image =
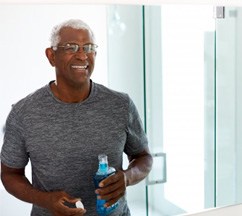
{"points": [[126, 74], [229, 106], [164, 58], [179, 82], [181, 64]]}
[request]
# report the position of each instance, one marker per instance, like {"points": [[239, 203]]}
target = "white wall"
{"points": [[25, 32]]}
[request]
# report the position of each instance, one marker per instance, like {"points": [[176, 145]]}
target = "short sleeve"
{"points": [[136, 137], [13, 153]]}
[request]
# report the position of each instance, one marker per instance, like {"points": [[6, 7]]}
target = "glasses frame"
{"points": [[77, 48]]}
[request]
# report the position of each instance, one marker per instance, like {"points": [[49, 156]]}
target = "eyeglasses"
{"points": [[71, 48]]}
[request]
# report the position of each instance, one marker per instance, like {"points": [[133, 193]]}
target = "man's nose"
{"points": [[81, 54]]}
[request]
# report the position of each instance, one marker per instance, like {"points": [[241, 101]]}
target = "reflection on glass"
{"points": [[116, 26]]}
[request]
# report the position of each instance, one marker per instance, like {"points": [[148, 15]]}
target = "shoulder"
{"points": [[112, 95], [30, 101]]}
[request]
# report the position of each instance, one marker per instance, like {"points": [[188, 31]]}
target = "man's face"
{"points": [[73, 68]]}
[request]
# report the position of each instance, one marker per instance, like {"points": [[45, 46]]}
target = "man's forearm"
{"points": [[138, 169], [20, 187]]}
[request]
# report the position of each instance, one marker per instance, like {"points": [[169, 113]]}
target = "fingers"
{"points": [[58, 207], [119, 176], [66, 211], [112, 188], [112, 198], [70, 199]]}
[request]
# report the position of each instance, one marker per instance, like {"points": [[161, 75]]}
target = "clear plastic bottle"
{"points": [[103, 172]]}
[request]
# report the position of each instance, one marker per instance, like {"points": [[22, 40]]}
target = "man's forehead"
{"points": [[68, 33]]}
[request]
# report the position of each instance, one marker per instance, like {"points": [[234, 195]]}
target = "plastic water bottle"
{"points": [[103, 172]]}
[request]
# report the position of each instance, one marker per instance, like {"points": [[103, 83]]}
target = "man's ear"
{"points": [[50, 55]]}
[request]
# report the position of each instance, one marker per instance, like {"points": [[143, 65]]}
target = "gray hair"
{"points": [[73, 23]]}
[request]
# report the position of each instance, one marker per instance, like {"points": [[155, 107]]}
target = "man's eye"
{"points": [[86, 49], [70, 47], [89, 48]]}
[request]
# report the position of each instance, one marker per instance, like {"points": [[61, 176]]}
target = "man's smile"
{"points": [[80, 67]]}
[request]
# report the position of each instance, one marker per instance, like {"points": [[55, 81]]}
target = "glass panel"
{"points": [[229, 106], [179, 55], [125, 73]]}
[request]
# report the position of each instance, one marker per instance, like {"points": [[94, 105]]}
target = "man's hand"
{"points": [[112, 188], [56, 204], [18, 185]]}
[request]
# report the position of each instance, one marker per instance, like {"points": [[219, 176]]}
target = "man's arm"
{"points": [[139, 167], [16, 183], [114, 187]]}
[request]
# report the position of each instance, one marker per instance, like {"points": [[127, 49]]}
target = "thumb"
{"points": [[71, 199]]}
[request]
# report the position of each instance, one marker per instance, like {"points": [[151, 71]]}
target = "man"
{"points": [[64, 126]]}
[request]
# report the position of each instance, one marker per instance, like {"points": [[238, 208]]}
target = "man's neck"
{"points": [[71, 95]]}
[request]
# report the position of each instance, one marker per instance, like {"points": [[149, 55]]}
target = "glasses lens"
{"points": [[71, 48], [89, 48]]}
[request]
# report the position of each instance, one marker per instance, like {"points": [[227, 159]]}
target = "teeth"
{"points": [[79, 66]]}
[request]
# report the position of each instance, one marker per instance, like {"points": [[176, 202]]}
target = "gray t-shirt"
{"points": [[63, 141]]}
